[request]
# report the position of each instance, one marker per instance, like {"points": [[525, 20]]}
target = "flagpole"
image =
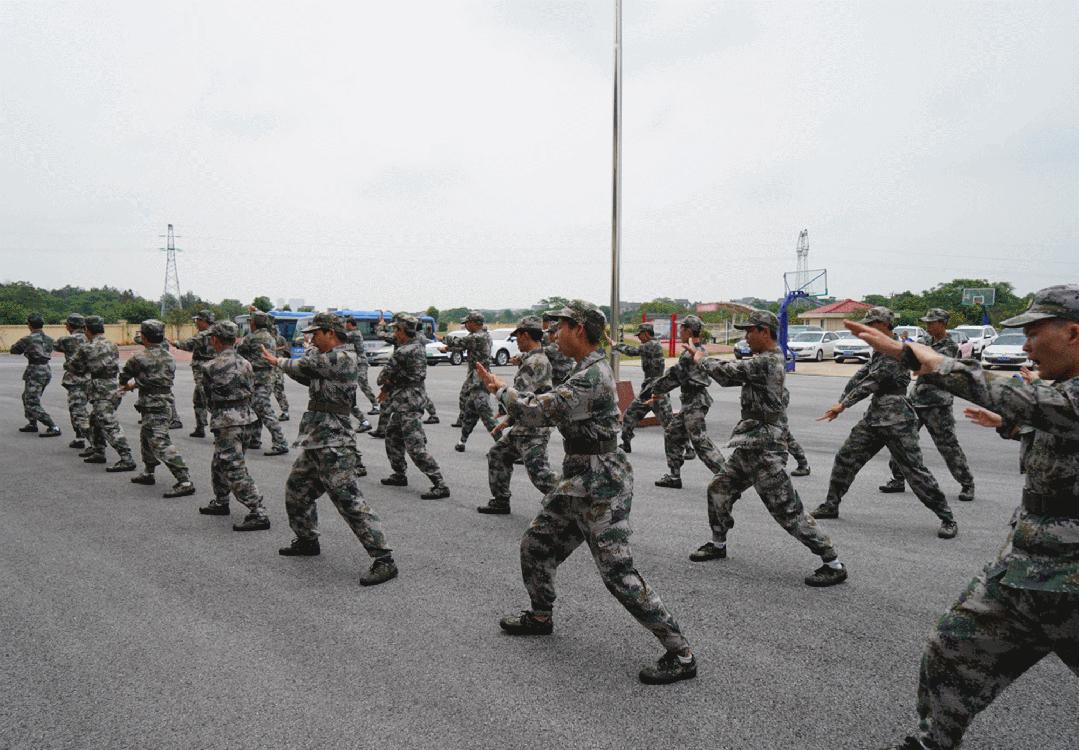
{"points": [[616, 192]]}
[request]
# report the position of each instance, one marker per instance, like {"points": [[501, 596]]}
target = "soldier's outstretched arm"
{"points": [[665, 383], [19, 346], [725, 373]]}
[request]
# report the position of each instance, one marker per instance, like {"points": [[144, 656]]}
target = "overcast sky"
{"points": [[386, 154]]}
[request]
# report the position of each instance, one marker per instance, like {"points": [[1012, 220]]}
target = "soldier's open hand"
{"points": [[833, 411], [268, 356], [491, 381], [983, 417], [698, 353]]}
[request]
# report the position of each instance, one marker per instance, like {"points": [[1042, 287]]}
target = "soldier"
{"points": [[474, 402], [889, 421], [386, 333], [99, 360], [402, 380], [174, 418], [934, 409], [202, 352], [592, 501], [1025, 604], [653, 360], [524, 443], [327, 463], [229, 382], [153, 371], [355, 336], [78, 405], [793, 446], [688, 425], [561, 365], [760, 448], [283, 350], [250, 348], [37, 348]]}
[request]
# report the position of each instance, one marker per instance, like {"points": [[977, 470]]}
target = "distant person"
{"points": [[653, 362], [250, 348], [202, 353], [355, 337], [78, 402], [283, 350], [37, 348], [99, 360], [474, 402]]}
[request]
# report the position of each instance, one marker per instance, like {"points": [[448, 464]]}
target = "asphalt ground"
{"points": [[130, 621]]}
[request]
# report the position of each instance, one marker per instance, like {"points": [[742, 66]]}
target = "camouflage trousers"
{"points": [[262, 406], [637, 410], [766, 472], [105, 428], [279, 390], [78, 407], [387, 409], [566, 521], [532, 451], [795, 449], [157, 447], [331, 471], [475, 405], [864, 442], [939, 421], [990, 637], [198, 400], [229, 474], [688, 426], [34, 381], [405, 434], [364, 385]]}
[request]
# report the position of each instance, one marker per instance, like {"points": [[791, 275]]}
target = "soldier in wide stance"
{"points": [[78, 402], [37, 348], [99, 360], [653, 361], [591, 503], [202, 352]]}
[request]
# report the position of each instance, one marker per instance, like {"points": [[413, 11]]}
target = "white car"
{"points": [[1006, 351], [503, 345], [916, 334], [849, 346], [813, 345], [980, 337]]}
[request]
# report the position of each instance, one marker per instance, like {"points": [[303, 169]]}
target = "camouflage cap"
{"points": [[259, 319], [225, 330], [325, 321], [153, 328], [936, 314], [408, 323], [550, 315], [879, 315], [35, 320], [95, 323], [474, 316], [693, 323], [75, 320], [1060, 301], [759, 319], [206, 315], [646, 328], [585, 313], [528, 323]]}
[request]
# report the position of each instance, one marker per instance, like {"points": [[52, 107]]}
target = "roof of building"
{"points": [[840, 307]]}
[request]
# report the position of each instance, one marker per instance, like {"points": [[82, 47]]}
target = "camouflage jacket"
{"points": [[69, 345], [585, 410], [282, 347], [690, 376], [228, 382], [478, 348], [356, 341], [925, 393], [331, 388], [99, 360], [886, 380], [653, 359], [250, 348], [37, 348], [154, 371], [763, 422], [561, 365], [533, 376], [1042, 552], [202, 350], [404, 376]]}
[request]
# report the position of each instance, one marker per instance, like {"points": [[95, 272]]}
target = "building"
{"points": [[831, 317]]}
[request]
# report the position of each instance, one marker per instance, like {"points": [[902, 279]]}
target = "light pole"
{"points": [[616, 191]]}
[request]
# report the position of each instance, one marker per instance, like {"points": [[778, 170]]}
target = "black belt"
{"points": [[584, 447], [1064, 506], [154, 390], [329, 408]]}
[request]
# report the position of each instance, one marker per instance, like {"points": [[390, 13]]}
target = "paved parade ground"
{"points": [[130, 621]]}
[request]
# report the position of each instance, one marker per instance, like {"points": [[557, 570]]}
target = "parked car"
{"points": [[916, 334], [813, 345], [794, 330], [503, 345], [849, 346], [1006, 351], [456, 357], [966, 346], [980, 337], [741, 349], [434, 356]]}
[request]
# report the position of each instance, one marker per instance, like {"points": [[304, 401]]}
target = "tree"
{"points": [[433, 312], [12, 313], [263, 303], [137, 310]]}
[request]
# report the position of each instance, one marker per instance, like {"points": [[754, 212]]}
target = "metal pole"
{"points": [[616, 202]]}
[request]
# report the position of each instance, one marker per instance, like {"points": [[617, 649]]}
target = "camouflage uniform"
{"points": [[356, 340], [202, 353], [37, 348], [474, 401], [653, 361], [282, 350], [889, 422], [229, 382], [250, 348], [1025, 604], [934, 409], [591, 503], [403, 378], [561, 365], [688, 425], [154, 370], [99, 360], [793, 446], [521, 442], [78, 404], [328, 462]]}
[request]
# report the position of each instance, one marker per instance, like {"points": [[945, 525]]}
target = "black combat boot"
{"points": [[709, 551], [31, 427], [948, 529], [382, 569], [124, 464], [496, 506], [216, 509], [199, 431], [53, 431], [146, 478], [395, 480], [801, 471], [826, 575], [893, 485], [670, 668], [181, 489], [252, 522], [437, 492], [526, 623], [669, 480], [301, 548], [826, 510]]}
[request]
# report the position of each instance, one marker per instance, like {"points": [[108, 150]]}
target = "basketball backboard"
{"points": [[813, 283], [983, 297]]}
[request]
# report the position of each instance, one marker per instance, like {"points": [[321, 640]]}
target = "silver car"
{"points": [[815, 345]]}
